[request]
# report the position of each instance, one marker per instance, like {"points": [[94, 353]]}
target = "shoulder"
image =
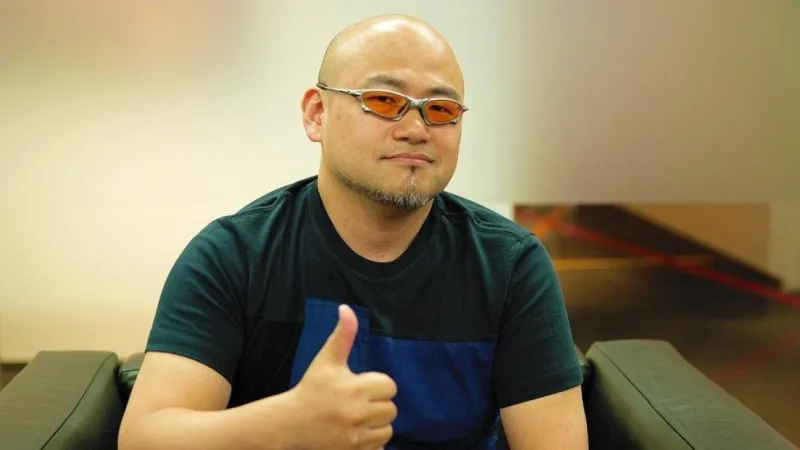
{"points": [[265, 213], [232, 239], [276, 201], [464, 215], [504, 248]]}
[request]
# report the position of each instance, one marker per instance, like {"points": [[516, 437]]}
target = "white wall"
{"points": [[124, 130], [785, 243]]}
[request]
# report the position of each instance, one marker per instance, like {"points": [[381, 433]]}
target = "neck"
{"points": [[375, 232]]}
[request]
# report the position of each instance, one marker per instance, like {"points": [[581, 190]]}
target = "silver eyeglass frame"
{"points": [[416, 103]]}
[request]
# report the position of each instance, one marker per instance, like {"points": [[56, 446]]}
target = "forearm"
{"points": [[261, 425]]}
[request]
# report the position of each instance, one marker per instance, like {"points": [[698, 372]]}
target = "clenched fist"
{"points": [[343, 410]]}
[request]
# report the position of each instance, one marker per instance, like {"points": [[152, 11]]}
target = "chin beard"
{"points": [[403, 202]]}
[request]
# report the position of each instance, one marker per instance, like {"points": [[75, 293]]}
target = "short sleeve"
{"points": [[535, 354], [200, 314]]}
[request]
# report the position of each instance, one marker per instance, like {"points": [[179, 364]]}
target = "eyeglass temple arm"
{"points": [[325, 87]]}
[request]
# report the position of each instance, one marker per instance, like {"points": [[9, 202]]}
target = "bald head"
{"points": [[394, 41], [359, 143]]}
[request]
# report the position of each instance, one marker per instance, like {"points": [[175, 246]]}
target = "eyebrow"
{"points": [[387, 80]]}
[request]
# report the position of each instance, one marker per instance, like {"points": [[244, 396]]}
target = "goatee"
{"points": [[407, 201]]}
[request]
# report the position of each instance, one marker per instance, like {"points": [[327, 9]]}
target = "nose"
{"points": [[412, 128]]}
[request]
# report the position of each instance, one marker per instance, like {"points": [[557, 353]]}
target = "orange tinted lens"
{"points": [[384, 103], [442, 111]]}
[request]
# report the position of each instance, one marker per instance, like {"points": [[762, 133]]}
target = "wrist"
{"points": [[271, 423], [290, 417]]}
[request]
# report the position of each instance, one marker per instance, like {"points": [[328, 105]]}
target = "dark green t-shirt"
{"points": [[468, 320]]}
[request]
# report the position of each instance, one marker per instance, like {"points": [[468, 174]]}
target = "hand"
{"points": [[340, 409]]}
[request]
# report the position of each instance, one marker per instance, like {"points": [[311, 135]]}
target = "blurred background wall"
{"points": [[125, 127]]}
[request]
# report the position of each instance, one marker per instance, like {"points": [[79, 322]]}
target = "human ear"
{"points": [[313, 109]]}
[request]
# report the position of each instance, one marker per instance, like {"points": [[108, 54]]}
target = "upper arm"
{"points": [[537, 376], [197, 336], [167, 380], [200, 313], [556, 421]]}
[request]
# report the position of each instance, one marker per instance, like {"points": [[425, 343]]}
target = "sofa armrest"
{"points": [[644, 395], [62, 400]]}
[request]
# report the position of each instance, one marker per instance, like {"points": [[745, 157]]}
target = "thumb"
{"points": [[337, 348]]}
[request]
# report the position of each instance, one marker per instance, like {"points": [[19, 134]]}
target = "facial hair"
{"points": [[407, 201]]}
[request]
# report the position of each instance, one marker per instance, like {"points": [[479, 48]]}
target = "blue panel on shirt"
{"points": [[445, 395], [320, 320]]}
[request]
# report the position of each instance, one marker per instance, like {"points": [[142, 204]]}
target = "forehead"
{"points": [[413, 83], [411, 61]]}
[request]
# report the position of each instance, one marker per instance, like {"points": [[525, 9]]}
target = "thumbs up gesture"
{"points": [[344, 410]]}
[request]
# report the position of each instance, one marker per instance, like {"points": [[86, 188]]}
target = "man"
{"points": [[364, 308]]}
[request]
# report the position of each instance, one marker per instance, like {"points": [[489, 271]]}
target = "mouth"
{"points": [[411, 158]]}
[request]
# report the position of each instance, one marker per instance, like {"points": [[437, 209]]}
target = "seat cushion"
{"points": [[128, 371], [586, 367]]}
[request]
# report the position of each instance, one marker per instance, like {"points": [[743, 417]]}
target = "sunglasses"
{"points": [[394, 105]]}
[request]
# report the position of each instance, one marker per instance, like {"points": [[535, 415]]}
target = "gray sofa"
{"points": [[639, 394]]}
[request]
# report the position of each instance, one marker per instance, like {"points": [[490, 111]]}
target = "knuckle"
{"points": [[389, 433], [392, 385], [382, 379], [358, 387], [354, 439], [351, 417]]}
